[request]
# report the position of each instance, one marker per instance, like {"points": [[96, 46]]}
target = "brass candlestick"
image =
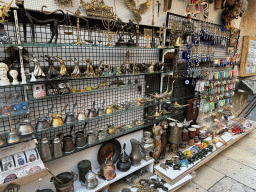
{"points": [[160, 32], [147, 35], [109, 24]]}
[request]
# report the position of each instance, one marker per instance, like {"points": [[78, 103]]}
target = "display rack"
{"points": [[141, 84]]}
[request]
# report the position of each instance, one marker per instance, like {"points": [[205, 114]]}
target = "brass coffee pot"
{"points": [[12, 136], [109, 109], [111, 129], [57, 118]]}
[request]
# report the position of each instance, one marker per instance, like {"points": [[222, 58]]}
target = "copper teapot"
{"points": [[107, 169]]}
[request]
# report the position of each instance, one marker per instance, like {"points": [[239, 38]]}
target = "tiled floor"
{"points": [[233, 170]]}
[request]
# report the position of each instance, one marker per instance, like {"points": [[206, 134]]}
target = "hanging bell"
{"points": [[178, 42], [13, 137]]}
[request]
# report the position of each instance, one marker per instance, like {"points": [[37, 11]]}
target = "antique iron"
{"points": [[124, 164], [80, 139], [107, 169], [25, 127], [92, 112], [57, 148], [46, 154], [67, 179], [84, 167], [91, 180], [135, 155], [13, 137], [147, 144]]}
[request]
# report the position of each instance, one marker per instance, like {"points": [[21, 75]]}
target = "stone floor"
{"points": [[233, 170]]}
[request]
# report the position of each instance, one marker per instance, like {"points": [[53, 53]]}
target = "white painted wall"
{"points": [[178, 7]]}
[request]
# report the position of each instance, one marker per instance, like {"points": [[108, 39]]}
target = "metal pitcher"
{"points": [[101, 110], [46, 154], [91, 180], [25, 127], [57, 148], [68, 145], [80, 139], [135, 155], [92, 112], [42, 124], [70, 118], [91, 137]]}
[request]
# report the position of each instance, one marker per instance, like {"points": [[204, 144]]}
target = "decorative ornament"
{"points": [[64, 3], [137, 12]]}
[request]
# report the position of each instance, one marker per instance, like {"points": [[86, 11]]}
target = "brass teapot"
{"points": [[109, 109], [111, 129]]}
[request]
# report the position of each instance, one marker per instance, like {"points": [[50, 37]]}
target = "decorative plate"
{"points": [[112, 146]]}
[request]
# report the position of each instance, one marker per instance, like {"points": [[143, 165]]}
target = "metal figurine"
{"points": [[78, 16], [38, 72], [160, 32], [26, 17], [147, 35], [63, 69], [97, 8], [120, 25], [157, 131], [76, 72], [89, 69], [4, 9], [131, 28], [52, 72], [109, 24], [137, 12]]}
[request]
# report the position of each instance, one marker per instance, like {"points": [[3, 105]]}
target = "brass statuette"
{"points": [[97, 8], [147, 35], [4, 9]]}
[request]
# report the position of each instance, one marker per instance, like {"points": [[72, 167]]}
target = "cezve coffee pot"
{"points": [[42, 123], [57, 118], [46, 154], [81, 114], [25, 127], [70, 116], [68, 145], [92, 112], [101, 110]]}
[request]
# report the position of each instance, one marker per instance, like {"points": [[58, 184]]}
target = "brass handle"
{"points": [[121, 126], [10, 121]]}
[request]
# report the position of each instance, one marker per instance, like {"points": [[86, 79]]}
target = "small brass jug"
{"points": [[57, 120]]}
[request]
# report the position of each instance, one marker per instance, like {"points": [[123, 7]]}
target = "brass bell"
{"points": [[178, 42]]}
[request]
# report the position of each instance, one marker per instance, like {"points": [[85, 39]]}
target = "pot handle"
{"points": [[52, 179], [74, 176]]}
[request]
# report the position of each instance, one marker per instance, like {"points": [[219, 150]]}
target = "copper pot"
{"points": [[107, 169]]}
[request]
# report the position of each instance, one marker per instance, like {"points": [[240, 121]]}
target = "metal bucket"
{"points": [[68, 179]]}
